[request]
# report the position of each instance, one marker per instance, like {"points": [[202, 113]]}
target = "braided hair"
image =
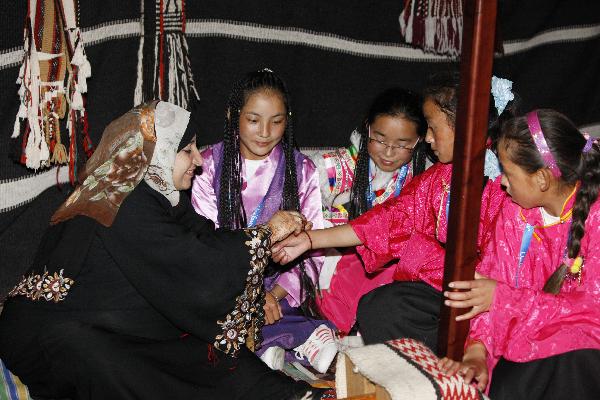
{"points": [[566, 144], [397, 103], [232, 214]]}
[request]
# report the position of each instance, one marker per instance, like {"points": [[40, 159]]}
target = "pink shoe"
{"points": [[320, 348]]}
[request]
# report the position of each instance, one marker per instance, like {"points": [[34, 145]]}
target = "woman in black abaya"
{"points": [[132, 294]]}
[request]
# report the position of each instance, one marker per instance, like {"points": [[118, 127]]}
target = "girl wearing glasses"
{"points": [[386, 151], [407, 234]]}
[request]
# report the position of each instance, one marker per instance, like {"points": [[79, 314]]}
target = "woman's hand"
{"points": [[284, 223], [479, 296], [272, 309], [290, 248]]}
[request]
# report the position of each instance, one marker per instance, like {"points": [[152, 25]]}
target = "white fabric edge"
{"points": [[382, 366], [321, 40]]}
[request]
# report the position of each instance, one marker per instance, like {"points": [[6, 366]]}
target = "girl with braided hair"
{"points": [[384, 155], [407, 233], [254, 172], [541, 332]]}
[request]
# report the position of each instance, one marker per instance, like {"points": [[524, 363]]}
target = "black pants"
{"points": [[69, 359], [571, 376], [400, 310]]}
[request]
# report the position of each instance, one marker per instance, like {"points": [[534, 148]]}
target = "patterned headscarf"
{"points": [[142, 144]]}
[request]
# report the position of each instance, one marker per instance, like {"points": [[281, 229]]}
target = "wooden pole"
{"points": [[479, 23]]}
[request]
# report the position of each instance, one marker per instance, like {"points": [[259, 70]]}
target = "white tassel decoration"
{"points": [[137, 94], [77, 101], [85, 71]]}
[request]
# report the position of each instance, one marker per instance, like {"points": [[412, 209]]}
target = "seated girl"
{"points": [[406, 233], [540, 269], [383, 157], [132, 294], [254, 172]]}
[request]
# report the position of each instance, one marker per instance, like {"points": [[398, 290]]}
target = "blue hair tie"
{"points": [[502, 92]]}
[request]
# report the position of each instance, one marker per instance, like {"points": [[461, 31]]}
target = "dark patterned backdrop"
{"points": [[335, 56]]}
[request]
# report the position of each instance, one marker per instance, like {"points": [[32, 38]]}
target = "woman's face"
{"points": [[520, 184], [387, 131], [187, 160], [262, 124], [440, 134]]}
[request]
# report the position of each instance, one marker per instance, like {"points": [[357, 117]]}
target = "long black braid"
{"points": [[232, 214], [395, 102], [566, 144]]}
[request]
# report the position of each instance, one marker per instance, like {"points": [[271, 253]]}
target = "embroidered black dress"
{"points": [[132, 310]]}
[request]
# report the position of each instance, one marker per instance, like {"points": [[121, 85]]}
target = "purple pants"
{"points": [[290, 331]]}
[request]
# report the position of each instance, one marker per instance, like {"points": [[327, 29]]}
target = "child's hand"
{"points": [[469, 369], [474, 368], [479, 296], [290, 248], [449, 366], [272, 309]]}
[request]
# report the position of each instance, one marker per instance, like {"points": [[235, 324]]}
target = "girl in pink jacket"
{"points": [[386, 152], [538, 311], [406, 234]]}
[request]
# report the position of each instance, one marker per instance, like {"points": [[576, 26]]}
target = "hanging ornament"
{"points": [[164, 69], [52, 83]]}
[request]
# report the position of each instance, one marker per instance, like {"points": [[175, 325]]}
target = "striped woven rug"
{"points": [[11, 388]]}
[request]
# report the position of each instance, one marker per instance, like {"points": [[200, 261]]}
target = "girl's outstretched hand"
{"points": [[479, 296], [290, 248]]}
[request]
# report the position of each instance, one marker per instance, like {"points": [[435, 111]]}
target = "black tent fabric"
{"points": [[334, 55]]}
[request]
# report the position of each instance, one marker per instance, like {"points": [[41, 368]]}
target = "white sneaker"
{"points": [[274, 357], [320, 348]]}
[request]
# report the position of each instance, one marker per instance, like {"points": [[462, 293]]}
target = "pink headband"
{"points": [[540, 142]]}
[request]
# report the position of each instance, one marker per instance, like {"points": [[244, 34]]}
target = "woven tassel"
{"points": [[87, 145], [21, 115], [85, 71], [36, 151], [53, 46], [77, 101], [164, 70], [433, 25], [138, 96], [59, 155]]}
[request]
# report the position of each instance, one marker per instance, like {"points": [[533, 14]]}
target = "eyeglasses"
{"points": [[384, 146]]}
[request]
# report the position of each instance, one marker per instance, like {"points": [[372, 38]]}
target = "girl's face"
{"points": [[262, 124], [520, 185], [440, 134], [186, 161], [391, 141]]}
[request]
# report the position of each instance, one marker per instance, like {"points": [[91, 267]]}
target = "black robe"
{"points": [[140, 318]]}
